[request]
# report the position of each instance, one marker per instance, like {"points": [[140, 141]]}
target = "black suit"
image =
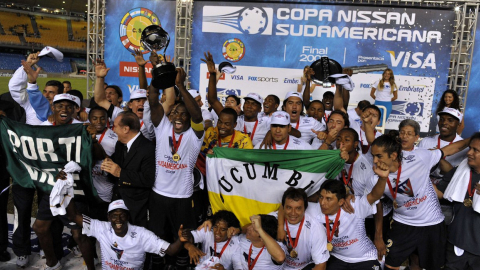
{"points": [[137, 177]]}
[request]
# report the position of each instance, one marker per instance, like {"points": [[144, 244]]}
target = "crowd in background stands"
{"points": [[393, 198]]}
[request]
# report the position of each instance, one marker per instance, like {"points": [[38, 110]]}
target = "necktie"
{"points": [[125, 152]]}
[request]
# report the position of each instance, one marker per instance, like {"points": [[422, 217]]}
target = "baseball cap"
{"points": [[139, 93], [255, 97], [280, 118], [52, 52], [293, 94], [68, 97], [194, 93], [118, 204], [453, 112]]}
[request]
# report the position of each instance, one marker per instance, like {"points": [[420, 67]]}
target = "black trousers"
{"points": [[4, 182], [22, 200]]}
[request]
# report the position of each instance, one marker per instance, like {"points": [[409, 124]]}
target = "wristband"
{"points": [[197, 126]]}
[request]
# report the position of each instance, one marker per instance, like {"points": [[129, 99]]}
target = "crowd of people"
{"points": [[391, 203]]}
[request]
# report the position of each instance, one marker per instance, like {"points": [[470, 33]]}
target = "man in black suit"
{"points": [[133, 166]]}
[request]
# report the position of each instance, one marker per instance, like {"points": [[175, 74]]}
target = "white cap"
{"points": [[255, 97], [139, 93], [453, 112], [52, 52], [280, 118], [293, 94], [118, 204], [194, 93], [68, 97]]}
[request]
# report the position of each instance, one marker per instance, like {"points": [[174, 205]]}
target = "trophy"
{"points": [[324, 67], [154, 38]]}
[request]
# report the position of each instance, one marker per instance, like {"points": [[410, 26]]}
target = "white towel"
{"points": [[62, 191], [343, 80], [458, 186]]}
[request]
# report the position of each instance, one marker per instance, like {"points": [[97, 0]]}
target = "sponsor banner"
{"points": [[412, 42], [236, 178], [472, 108], [124, 23], [414, 93]]}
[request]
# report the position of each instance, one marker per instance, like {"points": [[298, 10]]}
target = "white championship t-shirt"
{"points": [[384, 94], [417, 201], [350, 241], [208, 244], [360, 177], [104, 188], [355, 120], [264, 261], [305, 125], [454, 160], [293, 144], [126, 252], [174, 179], [263, 126]]}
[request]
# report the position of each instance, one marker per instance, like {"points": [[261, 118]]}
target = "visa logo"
{"points": [[413, 60], [236, 77], [132, 88]]}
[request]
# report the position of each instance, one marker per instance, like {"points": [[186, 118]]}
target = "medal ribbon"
{"points": [[101, 137], [335, 225], [175, 145], [223, 249], [253, 131], [365, 147], [141, 124], [298, 123], [438, 144], [346, 181], [286, 144], [394, 194], [470, 191], [294, 245], [251, 265], [325, 117], [231, 140]]}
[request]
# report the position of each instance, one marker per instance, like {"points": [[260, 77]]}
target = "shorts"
{"points": [[429, 242], [337, 264], [44, 212], [464, 262]]}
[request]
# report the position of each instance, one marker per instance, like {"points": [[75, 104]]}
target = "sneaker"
{"points": [[76, 251], [22, 261], [5, 256], [57, 266], [42, 254]]}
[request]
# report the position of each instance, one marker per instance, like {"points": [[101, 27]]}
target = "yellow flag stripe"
{"points": [[242, 207]]}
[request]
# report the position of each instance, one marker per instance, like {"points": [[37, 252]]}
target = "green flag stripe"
{"points": [[313, 161]]}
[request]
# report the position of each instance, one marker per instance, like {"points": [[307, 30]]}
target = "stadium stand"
{"points": [[10, 61], [15, 23], [54, 30], [50, 65]]}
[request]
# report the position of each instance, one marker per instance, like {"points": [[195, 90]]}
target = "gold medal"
{"points": [[329, 246], [293, 254], [176, 157], [347, 189], [468, 202], [395, 204]]}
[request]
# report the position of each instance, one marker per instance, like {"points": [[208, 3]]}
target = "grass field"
{"points": [[77, 83]]}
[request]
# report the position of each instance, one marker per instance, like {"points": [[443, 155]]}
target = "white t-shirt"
{"points": [[355, 120], [126, 252], [305, 125], [99, 177], [264, 261], [362, 173], [47, 123], [384, 94], [312, 246], [417, 201], [350, 241], [293, 144], [208, 244], [263, 127], [207, 115], [174, 179], [454, 160]]}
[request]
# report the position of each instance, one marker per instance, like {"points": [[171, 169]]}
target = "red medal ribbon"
{"points": [[346, 181], [325, 117], [294, 245], [141, 124], [101, 137], [253, 131], [223, 249], [365, 147], [298, 123], [470, 191], [335, 225], [219, 140], [251, 265], [286, 144], [175, 145], [438, 144], [399, 172]]}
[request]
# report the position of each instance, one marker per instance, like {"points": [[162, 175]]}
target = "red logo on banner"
{"points": [[130, 69], [221, 77]]}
